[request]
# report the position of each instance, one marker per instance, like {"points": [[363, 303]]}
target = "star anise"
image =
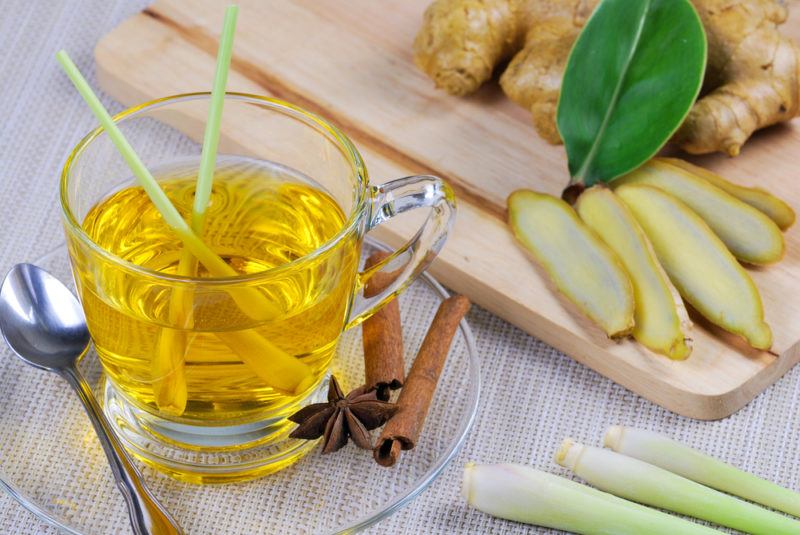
{"points": [[353, 415]]}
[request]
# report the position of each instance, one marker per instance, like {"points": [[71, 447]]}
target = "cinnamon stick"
{"points": [[402, 431], [382, 332]]}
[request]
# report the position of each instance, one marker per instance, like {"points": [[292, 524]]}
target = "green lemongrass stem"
{"points": [[249, 299], [208, 157], [169, 383], [170, 390], [261, 356], [641, 482], [269, 362], [524, 494], [680, 459], [172, 217]]}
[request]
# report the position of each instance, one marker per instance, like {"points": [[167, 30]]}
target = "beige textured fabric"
{"points": [[533, 396]]}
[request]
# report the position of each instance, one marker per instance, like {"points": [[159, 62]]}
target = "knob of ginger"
{"points": [[752, 75]]}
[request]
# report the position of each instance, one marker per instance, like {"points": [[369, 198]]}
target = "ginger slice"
{"points": [[582, 267], [661, 321], [750, 235], [760, 199], [698, 263]]}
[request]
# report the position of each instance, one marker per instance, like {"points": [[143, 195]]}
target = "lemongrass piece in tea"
{"points": [[208, 155], [270, 214], [170, 390], [692, 464], [248, 299], [645, 483], [524, 494], [169, 380]]}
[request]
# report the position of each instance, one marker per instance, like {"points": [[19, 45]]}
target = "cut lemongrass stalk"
{"points": [[169, 385], [172, 217], [680, 459], [167, 365], [169, 378], [249, 299], [208, 157], [645, 483], [273, 365], [524, 494]]}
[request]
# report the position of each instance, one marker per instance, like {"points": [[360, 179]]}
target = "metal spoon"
{"points": [[44, 325]]}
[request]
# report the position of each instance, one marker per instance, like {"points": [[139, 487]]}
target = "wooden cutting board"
{"points": [[351, 62]]}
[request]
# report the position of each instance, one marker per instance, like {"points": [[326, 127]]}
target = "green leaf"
{"points": [[631, 78]]}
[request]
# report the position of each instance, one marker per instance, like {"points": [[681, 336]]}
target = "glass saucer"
{"points": [[51, 462]]}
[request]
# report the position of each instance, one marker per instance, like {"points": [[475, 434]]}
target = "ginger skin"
{"points": [[752, 78]]}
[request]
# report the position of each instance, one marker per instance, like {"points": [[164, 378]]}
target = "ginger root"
{"points": [[752, 79]]}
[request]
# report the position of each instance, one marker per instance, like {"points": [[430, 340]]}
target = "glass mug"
{"points": [[202, 370]]}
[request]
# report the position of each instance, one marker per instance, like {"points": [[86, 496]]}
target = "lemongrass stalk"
{"points": [[249, 299], [171, 216], [645, 483], [524, 494], [692, 464], [208, 156], [169, 380], [269, 362], [170, 389]]}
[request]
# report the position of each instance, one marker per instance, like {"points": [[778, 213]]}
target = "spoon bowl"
{"points": [[41, 320]]}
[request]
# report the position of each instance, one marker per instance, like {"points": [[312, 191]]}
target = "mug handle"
{"points": [[413, 257]]}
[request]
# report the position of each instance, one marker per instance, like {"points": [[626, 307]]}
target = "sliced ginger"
{"points": [[760, 199], [661, 321], [752, 71], [750, 235], [582, 267], [698, 263]]}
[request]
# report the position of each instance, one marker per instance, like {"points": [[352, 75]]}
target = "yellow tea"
{"points": [[261, 216]]}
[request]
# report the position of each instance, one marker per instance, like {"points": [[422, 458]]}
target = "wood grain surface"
{"points": [[351, 63]]}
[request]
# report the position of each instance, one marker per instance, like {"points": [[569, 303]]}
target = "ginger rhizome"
{"points": [[751, 80]]}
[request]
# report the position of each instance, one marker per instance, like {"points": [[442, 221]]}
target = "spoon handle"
{"points": [[148, 516]]}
